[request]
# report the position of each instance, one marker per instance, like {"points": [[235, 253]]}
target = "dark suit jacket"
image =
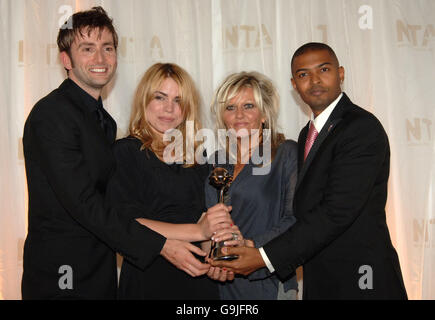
{"points": [[341, 237], [68, 163]]}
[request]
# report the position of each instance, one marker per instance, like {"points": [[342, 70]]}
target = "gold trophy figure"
{"points": [[221, 180]]}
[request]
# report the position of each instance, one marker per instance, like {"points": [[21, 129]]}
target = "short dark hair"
{"points": [[313, 46], [84, 21]]}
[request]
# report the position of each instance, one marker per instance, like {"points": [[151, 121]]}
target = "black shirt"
{"points": [[107, 124]]}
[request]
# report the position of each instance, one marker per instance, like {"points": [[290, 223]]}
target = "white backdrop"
{"points": [[386, 47]]}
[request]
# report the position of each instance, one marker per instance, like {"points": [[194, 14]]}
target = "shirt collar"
{"points": [[87, 99], [321, 119]]}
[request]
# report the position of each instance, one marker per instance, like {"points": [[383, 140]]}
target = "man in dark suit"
{"points": [[72, 237], [341, 237]]}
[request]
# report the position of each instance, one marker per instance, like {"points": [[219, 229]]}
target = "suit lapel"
{"points": [[332, 122]]}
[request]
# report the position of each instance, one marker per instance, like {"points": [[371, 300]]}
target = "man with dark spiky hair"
{"points": [[341, 237], [72, 237]]}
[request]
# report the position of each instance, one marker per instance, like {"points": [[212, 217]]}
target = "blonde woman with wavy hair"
{"points": [[247, 104], [147, 130], [169, 195]]}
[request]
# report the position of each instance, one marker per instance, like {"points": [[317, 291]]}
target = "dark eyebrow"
{"points": [[162, 93], [324, 64], [93, 44], [319, 66]]}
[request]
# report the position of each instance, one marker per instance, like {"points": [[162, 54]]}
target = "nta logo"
{"points": [[414, 34]]}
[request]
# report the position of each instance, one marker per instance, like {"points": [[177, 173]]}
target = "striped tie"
{"points": [[311, 137]]}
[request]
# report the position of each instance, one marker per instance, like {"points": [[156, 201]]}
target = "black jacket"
{"points": [[341, 237], [68, 164]]}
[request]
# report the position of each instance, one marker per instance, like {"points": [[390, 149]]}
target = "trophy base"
{"points": [[226, 258]]}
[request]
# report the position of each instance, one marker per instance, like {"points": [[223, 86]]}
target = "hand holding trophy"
{"points": [[221, 180]]}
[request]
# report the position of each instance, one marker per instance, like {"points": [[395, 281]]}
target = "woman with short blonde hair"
{"points": [[266, 99], [247, 104]]}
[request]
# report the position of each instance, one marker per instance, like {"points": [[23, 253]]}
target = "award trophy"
{"points": [[221, 180]]}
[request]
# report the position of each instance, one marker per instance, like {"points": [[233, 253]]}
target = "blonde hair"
{"points": [[189, 103], [266, 100]]}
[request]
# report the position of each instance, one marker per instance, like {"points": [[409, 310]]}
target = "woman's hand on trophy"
{"points": [[233, 237], [180, 254], [220, 274], [215, 219]]}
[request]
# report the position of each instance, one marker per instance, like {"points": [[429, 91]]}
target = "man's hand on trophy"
{"points": [[232, 237], [215, 219], [249, 260]]}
